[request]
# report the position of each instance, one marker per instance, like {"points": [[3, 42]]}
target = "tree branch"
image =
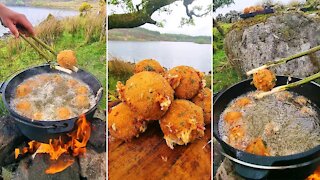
{"points": [[137, 18]]}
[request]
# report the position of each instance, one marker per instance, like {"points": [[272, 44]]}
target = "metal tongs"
{"points": [[282, 61], [53, 65]]}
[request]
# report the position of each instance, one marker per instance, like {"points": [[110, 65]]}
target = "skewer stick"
{"points": [[283, 60], [75, 69], [59, 68], [288, 86], [36, 48], [44, 45]]}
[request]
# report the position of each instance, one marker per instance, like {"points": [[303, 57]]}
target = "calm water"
{"points": [[169, 54], [36, 15]]}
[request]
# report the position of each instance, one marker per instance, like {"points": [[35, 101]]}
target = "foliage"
{"points": [[221, 3], [84, 8]]}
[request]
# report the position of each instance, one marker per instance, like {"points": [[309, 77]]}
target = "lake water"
{"points": [[36, 15], [169, 54]]}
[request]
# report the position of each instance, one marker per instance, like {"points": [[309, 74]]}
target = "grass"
{"points": [[224, 74], [90, 48]]}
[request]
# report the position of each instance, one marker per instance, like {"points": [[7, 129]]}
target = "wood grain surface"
{"points": [[148, 157]]}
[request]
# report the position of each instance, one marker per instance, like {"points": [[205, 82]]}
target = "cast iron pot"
{"points": [[42, 131], [250, 166]]}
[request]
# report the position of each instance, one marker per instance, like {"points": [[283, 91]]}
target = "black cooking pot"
{"points": [[250, 166], [42, 131]]}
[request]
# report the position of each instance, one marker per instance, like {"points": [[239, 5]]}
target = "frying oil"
{"points": [[286, 122], [52, 96]]}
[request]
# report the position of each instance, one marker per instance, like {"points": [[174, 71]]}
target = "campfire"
{"points": [[315, 175], [62, 152]]}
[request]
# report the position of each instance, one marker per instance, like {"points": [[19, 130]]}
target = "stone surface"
{"points": [[230, 17], [279, 36], [98, 135], [93, 165], [10, 138], [34, 169]]}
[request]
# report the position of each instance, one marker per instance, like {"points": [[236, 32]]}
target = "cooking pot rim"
{"points": [[41, 122], [271, 158]]}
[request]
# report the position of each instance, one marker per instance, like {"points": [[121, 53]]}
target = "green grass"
{"points": [[224, 74]]}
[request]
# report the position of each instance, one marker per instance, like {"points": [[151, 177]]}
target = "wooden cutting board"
{"points": [[148, 157]]}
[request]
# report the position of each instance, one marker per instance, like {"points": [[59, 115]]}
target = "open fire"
{"points": [[62, 153], [315, 175]]}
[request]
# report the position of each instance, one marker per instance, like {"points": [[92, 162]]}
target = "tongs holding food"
{"points": [[66, 59], [262, 75]]}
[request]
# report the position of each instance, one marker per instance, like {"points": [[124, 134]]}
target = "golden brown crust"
{"points": [[232, 116], [264, 80], [148, 65], [204, 100], [63, 113], [258, 147], [183, 123], [148, 94], [123, 123], [67, 59], [23, 90], [185, 80]]}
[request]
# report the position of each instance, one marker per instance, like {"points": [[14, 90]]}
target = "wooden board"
{"points": [[148, 157]]}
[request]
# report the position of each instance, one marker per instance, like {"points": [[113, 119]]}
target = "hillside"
{"points": [[141, 34]]}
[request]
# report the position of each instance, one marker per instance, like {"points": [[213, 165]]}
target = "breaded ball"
{"points": [[258, 147], [204, 100], [242, 102], [82, 90], [232, 116], [183, 123], [63, 113], [185, 80], [123, 124], [24, 107], [264, 80], [148, 65], [71, 83], [301, 100], [67, 59], [236, 136], [57, 78], [23, 90], [148, 94], [82, 101], [37, 116]]}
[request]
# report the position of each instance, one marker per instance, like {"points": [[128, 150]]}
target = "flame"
{"points": [[315, 175], [76, 146]]}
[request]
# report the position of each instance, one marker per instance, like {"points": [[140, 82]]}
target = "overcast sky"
{"points": [[239, 5], [203, 25]]}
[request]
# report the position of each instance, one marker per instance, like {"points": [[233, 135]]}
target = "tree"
{"points": [[140, 14], [219, 4]]}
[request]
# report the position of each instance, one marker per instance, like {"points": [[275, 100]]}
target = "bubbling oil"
{"points": [[52, 96], [286, 122]]}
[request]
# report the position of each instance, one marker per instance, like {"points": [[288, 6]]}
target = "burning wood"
{"points": [[315, 175], [74, 147]]}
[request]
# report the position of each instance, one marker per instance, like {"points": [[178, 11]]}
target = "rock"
{"points": [[230, 17], [93, 165], [279, 36], [98, 135], [10, 138], [30, 169]]}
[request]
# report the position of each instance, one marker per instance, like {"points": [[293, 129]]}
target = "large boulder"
{"points": [[278, 36]]}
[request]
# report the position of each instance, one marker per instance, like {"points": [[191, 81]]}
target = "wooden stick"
{"points": [[44, 45], [59, 68], [288, 86], [283, 60], [36, 48]]}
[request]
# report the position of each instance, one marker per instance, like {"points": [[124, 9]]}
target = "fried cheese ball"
{"points": [[236, 136], [37, 116], [123, 124], [148, 94], [148, 65], [258, 147], [67, 59], [183, 123], [63, 113], [82, 90], [264, 80], [24, 107], [23, 90], [232, 116], [82, 101], [242, 102], [185, 80], [204, 100]]}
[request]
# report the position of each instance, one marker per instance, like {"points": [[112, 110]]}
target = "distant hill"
{"points": [[141, 34]]}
